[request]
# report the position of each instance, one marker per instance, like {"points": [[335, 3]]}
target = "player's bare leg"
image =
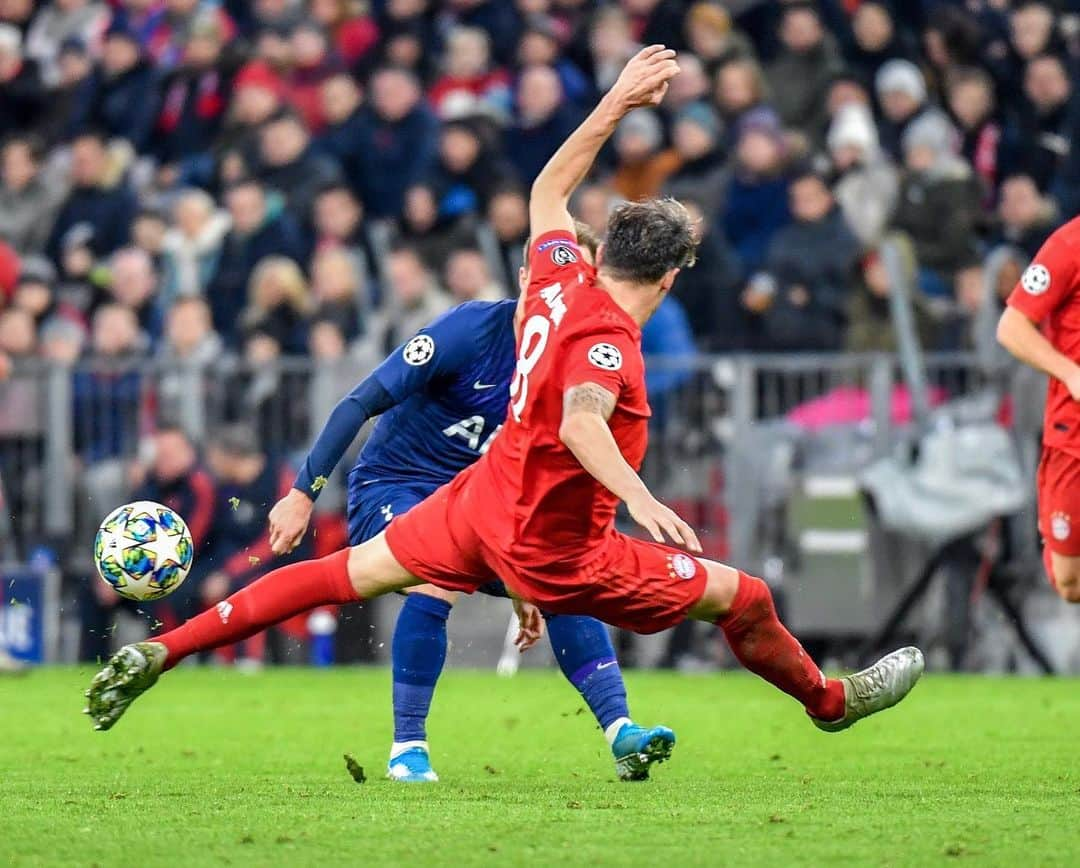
{"points": [[742, 606], [348, 576], [1064, 573]]}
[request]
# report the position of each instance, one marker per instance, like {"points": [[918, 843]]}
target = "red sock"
{"points": [[278, 595], [765, 647]]}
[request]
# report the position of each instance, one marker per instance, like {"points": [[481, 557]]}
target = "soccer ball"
{"points": [[143, 550]]}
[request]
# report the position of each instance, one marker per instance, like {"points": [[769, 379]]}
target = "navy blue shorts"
{"points": [[371, 507]]}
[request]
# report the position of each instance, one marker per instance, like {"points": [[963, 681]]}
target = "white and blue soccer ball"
{"points": [[143, 550]]}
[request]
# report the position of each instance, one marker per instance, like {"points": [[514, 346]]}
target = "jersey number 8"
{"points": [[534, 338]]}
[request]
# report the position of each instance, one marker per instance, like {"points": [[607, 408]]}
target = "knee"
{"points": [[434, 592]]}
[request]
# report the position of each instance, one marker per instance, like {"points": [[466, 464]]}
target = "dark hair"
{"points": [[646, 240]]}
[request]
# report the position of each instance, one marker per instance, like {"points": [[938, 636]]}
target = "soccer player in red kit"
{"points": [[1041, 327], [538, 510]]}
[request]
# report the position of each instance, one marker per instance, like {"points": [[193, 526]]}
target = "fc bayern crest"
{"points": [[1060, 526], [1036, 279], [605, 356], [563, 255], [684, 566], [419, 350]]}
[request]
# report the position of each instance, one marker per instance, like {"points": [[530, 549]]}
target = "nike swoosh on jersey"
{"points": [[479, 385]]}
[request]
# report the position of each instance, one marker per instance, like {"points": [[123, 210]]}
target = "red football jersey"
{"points": [[1047, 294], [546, 509]]}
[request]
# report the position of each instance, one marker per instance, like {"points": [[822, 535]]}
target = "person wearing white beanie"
{"points": [[866, 180]]}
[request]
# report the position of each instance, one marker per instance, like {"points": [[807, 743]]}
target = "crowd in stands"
{"points": [[194, 178], [240, 181]]}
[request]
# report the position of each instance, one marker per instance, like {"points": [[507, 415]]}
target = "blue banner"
{"points": [[28, 617]]}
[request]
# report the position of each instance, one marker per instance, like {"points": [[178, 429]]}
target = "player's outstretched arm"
{"points": [[290, 516], [585, 432], [643, 81], [1022, 338]]}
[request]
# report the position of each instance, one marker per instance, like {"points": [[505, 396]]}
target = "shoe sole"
{"points": [[635, 766]]}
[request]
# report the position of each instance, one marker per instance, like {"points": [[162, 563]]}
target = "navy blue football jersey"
{"points": [[451, 384]]}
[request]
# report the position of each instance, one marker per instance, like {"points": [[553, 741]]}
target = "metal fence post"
{"points": [[881, 382], [741, 489], [58, 496], [192, 404]]}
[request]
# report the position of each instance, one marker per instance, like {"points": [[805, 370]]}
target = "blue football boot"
{"points": [[635, 748], [411, 764]]}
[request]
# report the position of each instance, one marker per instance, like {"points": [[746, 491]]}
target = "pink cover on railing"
{"points": [[848, 405]]}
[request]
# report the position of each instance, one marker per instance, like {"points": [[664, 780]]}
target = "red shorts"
{"points": [[629, 583], [1059, 501]]}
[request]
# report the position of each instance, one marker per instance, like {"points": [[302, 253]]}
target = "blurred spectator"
{"points": [[508, 218], [799, 75], [22, 95], [540, 45], [61, 340], [171, 31], [29, 195], [939, 203], [288, 164], [755, 203], [875, 40], [802, 295], [901, 91], [34, 290], [176, 479], [470, 84], [191, 247], [398, 147], [278, 304], [413, 301], [148, 234], [194, 97], [468, 170], [666, 340], [313, 62], [343, 131], [18, 336], [58, 117], [870, 328], [1026, 217], [353, 32], [544, 120], [643, 164], [339, 222], [468, 277], [134, 284], [709, 291], [61, 20], [611, 44], [970, 96], [260, 228], [1044, 125], [865, 181], [337, 286], [190, 338], [99, 197], [740, 87], [108, 392], [432, 233], [122, 94], [592, 205], [711, 36], [700, 171], [691, 85], [1031, 34]]}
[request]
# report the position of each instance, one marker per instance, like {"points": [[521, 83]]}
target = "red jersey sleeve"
{"points": [[610, 359], [555, 257], [1049, 280]]}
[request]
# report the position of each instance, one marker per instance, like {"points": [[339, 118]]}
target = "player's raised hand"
{"points": [[645, 78], [289, 521], [663, 523], [530, 625]]}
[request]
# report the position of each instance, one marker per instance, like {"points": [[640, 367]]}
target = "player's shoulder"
{"points": [[1067, 234]]}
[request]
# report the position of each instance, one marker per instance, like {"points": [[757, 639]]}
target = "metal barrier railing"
{"points": [[715, 420]]}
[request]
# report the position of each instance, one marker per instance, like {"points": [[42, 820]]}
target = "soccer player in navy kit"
{"points": [[441, 399]]}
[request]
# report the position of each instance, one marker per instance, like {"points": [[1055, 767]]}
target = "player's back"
{"points": [[550, 508], [449, 382]]}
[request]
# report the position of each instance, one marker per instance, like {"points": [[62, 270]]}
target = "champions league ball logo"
{"points": [[605, 356], [419, 350], [1036, 279]]}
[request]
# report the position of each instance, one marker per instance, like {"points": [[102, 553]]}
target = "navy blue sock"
{"points": [[586, 657], [418, 651]]}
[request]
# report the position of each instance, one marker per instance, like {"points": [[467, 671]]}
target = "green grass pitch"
{"points": [[213, 767]]}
